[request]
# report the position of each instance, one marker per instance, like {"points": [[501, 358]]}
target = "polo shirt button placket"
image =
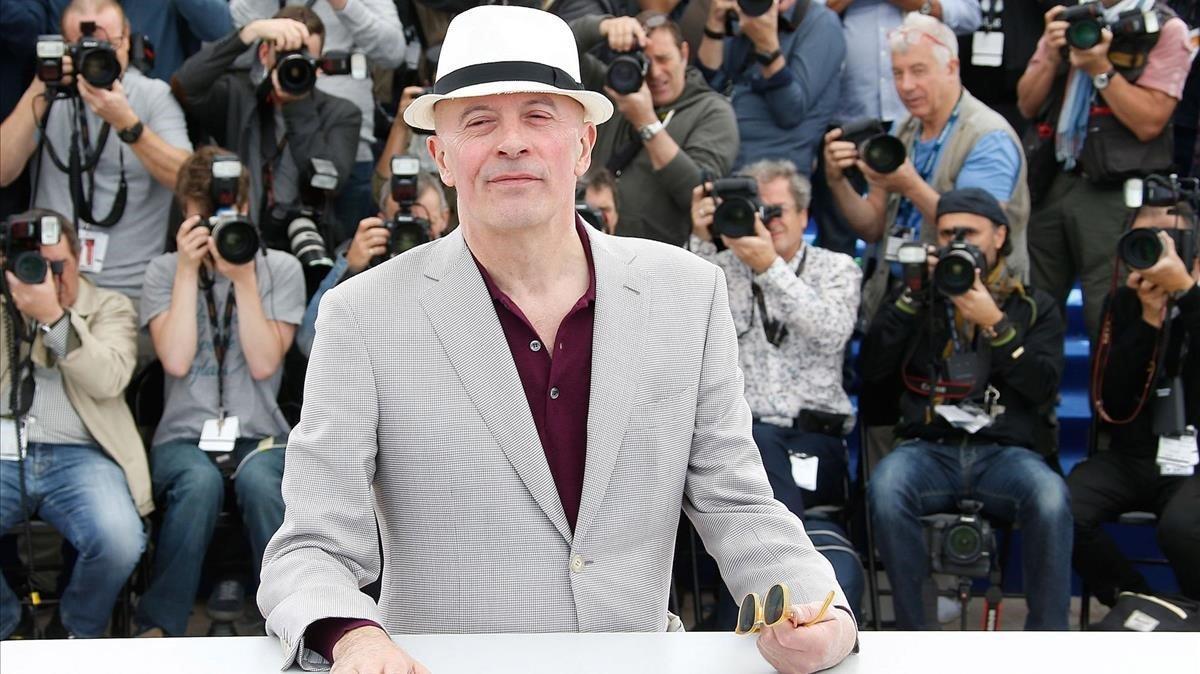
{"points": [[554, 393], [535, 346]]}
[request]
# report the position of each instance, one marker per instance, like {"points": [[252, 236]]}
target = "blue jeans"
{"points": [[1013, 483], [81, 492], [189, 490]]}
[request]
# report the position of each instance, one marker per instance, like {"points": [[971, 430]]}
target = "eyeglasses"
{"points": [[755, 614], [913, 36]]}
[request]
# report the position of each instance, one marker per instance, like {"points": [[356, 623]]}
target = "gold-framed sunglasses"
{"points": [[756, 613]]}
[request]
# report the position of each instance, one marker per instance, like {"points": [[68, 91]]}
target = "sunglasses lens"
{"points": [[775, 605], [745, 621]]}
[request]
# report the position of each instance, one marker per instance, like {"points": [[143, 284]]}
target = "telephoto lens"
{"points": [[297, 72], [1140, 248], [306, 242], [627, 72], [738, 197], [883, 153], [954, 273], [1084, 31], [96, 61], [236, 238]]}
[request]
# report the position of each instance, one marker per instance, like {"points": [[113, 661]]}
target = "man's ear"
{"points": [[587, 141], [438, 153]]}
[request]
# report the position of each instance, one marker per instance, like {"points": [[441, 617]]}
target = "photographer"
{"points": [[371, 27], [600, 194], [134, 130], [221, 331], [276, 133], [84, 468], [782, 71], [794, 307], [665, 134], [986, 357], [372, 243], [1125, 87], [1158, 305], [952, 141]]}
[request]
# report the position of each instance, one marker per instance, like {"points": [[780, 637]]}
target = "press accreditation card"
{"points": [[218, 435], [93, 246], [804, 471], [1178, 455], [987, 49]]}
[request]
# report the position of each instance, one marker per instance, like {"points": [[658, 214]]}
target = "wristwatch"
{"points": [[1101, 81], [650, 130], [767, 59], [994, 332], [926, 7], [132, 134]]}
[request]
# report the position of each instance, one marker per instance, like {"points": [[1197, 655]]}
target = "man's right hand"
{"points": [[370, 241], [839, 156], [1055, 33], [623, 33], [1152, 297], [703, 207], [191, 241], [285, 34], [369, 650]]}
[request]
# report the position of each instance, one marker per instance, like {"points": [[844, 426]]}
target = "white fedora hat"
{"points": [[499, 49]]}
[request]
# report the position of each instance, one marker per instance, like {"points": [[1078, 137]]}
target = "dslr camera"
{"points": [[21, 241], [961, 544], [236, 238], [1087, 21], [407, 230], [738, 203], [301, 223], [954, 273], [297, 69], [882, 152], [94, 60], [627, 72], [1140, 248]]}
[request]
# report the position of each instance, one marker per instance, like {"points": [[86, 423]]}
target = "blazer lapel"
{"points": [[464, 317], [620, 322]]}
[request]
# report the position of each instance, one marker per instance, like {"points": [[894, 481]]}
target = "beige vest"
{"points": [[975, 120]]}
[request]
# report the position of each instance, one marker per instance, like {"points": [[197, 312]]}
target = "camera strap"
{"points": [[776, 331], [222, 336], [927, 167]]}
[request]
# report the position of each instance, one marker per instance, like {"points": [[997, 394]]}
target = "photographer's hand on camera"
{"points": [[38, 301], [977, 306], [904, 180], [111, 105], [1055, 33], [1168, 273], [242, 275], [762, 30], [703, 208], [756, 252], [1093, 61], [285, 34], [1152, 297], [370, 241], [191, 243], [637, 107], [624, 33], [839, 156]]}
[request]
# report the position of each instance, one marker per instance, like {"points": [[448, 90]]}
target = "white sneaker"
{"points": [[948, 610]]}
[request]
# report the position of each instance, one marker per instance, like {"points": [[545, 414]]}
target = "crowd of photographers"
{"points": [[182, 182]]}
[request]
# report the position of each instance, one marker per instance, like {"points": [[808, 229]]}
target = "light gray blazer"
{"points": [[415, 420]]}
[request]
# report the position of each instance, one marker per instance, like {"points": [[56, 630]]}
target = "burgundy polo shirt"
{"points": [[557, 389]]}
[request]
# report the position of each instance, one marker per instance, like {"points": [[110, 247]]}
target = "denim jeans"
{"points": [[1013, 483], [189, 490], [82, 493]]}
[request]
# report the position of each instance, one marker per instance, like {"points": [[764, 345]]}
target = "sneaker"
{"points": [[227, 601], [948, 610]]}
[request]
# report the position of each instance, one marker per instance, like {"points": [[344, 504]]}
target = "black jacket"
{"points": [[1025, 369], [1124, 374], [226, 106]]}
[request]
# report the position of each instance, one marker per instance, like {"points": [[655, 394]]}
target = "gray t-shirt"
{"points": [[192, 400], [141, 233]]}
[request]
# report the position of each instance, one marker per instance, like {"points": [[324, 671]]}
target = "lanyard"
{"points": [[221, 338], [776, 331], [927, 166]]}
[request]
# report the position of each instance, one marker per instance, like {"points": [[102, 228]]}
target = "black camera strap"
{"points": [[83, 158], [927, 167], [776, 331], [222, 337]]}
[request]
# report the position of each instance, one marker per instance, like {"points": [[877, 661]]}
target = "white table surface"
{"points": [[882, 652]]}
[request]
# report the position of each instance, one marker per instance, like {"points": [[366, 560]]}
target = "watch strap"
{"points": [[132, 134], [650, 130], [767, 59]]}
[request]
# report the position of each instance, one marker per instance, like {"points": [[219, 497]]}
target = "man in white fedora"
{"points": [[520, 409]]}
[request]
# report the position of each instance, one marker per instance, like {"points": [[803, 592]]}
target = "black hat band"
{"points": [[505, 71]]}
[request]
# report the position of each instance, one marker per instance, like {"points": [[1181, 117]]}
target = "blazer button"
{"points": [[577, 564]]}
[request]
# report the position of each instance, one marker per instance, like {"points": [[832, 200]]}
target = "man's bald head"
{"points": [[90, 7]]}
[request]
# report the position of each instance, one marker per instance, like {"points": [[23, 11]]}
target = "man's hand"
{"points": [[370, 240], [637, 107], [763, 30], [38, 301], [839, 156], [369, 650], [1093, 61], [792, 649], [1168, 273], [756, 252], [900, 181], [110, 105], [285, 34], [623, 33], [1055, 34], [703, 207], [1152, 297], [191, 241], [240, 274], [717, 10], [976, 306]]}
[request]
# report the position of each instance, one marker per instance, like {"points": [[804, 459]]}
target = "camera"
{"points": [[296, 71], [1140, 248], [755, 7], [304, 236], [627, 72], [883, 153], [738, 204], [93, 59], [590, 215], [21, 240], [353, 64], [236, 238], [961, 544], [407, 230], [1087, 21], [911, 256], [954, 273]]}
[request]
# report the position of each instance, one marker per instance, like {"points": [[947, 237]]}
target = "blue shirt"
{"points": [[868, 89], [784, 116]]}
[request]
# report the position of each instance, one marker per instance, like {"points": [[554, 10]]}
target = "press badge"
{"points": [[987, 49], [804, 471], [218, 435], [1178, 455], [8, 440], [93, 245]]}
